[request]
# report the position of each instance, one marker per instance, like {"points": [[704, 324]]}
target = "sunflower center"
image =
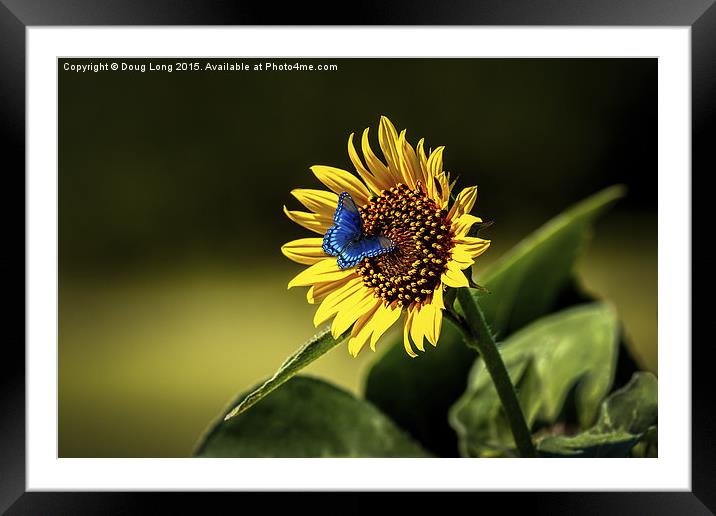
{"points": [[421, 232]]}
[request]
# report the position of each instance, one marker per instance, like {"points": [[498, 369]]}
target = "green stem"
{"points": [[477, 335]]}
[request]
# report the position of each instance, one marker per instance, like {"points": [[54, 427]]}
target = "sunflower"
{"points": [[406, 199]]}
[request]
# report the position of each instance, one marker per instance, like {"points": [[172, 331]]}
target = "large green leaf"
{"points": [[527, 283], [625, 417], [422, 409], [316, 347], [572, 350], [308, 417], [648, 447]]}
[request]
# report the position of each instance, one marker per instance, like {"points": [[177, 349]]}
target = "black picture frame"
{"points": [[17, 15]]}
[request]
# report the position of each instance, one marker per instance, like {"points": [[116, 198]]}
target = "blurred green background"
{"points": [[172, 294]]}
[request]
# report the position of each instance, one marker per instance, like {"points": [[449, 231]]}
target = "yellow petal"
{"points": [[418, 325], [407, 161], [421, 154], [461, 258], [318, 292], [406, 336], [355, 159], [425, 320], [355, 344], [463, 203], [426, 177], [310, 295], [412, 161], [445, 188], [362, 329], [351, 309], [321, 272], [383, 319], [434, 316], [434, 336], [435, 162], [333, 301], [437, 300], [339, 181], [456, 267], [304, 250], [387, 139], [435, 175], [461, 225], [312, 221], [454, 278], [366, 319], [383, 177], [472, 246], [363, 172], [318, 201]]}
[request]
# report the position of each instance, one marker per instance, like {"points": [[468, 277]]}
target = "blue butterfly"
{"points": [[345, 237]]}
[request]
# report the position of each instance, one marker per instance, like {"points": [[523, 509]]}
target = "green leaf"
{"points": [[525, 284], [308, 417], [422, 409], [633, 408], [626, 416], [316, 347], [648, 447], [612, 444], [572, 350]]}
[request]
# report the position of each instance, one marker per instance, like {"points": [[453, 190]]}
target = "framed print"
{"points": [[277, 253]]}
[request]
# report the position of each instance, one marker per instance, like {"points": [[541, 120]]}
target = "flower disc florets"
{"points": [[420, 230]]}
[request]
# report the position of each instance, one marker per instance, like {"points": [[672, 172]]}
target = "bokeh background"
{"points": [[172, 295]]}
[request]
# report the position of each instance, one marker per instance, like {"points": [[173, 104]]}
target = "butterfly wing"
{"points": [[345, 237], [347, 227], [365, 247]]}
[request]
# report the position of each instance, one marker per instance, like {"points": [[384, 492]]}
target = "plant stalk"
{"points": [[477, 335]]}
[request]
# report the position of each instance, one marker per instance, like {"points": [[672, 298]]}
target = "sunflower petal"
{"points": [[411, 159], [461, 225], [406, 336], [425, 177], [472, 246], [311, 221], [454, 278], [333, 301], [418, 326], [362, 330], [443, 180], [437, 301], [318, 201], [304, 250], [434, 316], [356, 343], [363, 172], [355, 159], [434, 336], [435, 162], [463, 203], [338, 180], [384, 179], [351, 309], [435, 174], [319, 291], [427, 317], [384, 318], [320, 272], [387, 139], [461, 258], [407, 169]]}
